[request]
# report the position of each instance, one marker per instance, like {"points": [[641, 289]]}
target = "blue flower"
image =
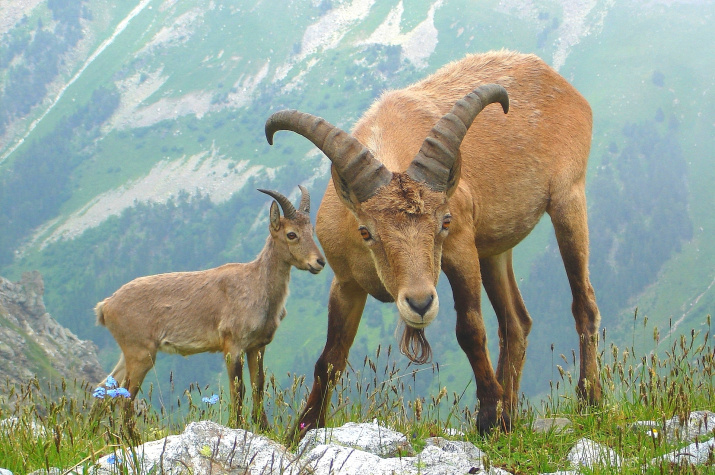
{"points": [[118, 392], [99, 393], [210, 400], [124, 392], [111, 382], [112, 459]]}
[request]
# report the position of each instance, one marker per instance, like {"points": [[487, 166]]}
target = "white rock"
{"points": [[204, 447], [334, 459], [440, 456], [369, 437], [699, 423], [587, 453], [693, 454]]}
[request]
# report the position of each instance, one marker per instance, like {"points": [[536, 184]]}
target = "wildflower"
{"points": [[112, 459], [124, 392], [302, 425], [210, 400], [99, 393], [111, 382], [118, 392]]}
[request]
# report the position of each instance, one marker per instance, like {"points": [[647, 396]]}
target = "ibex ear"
{"points": [[343, 190], [275, 216]]}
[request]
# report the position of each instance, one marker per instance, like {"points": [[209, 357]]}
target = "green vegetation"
{"points": [[40, 179], [51, 428], [41, 50]]}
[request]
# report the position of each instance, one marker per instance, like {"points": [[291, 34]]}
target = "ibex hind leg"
{"points": [[569, 217], [514, 323], [119, 373], [138, 362]]}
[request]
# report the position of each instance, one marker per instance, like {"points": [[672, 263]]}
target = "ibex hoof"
{"points": [[589, 393], [488, 419]]}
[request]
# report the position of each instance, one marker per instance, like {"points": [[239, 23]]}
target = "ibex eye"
{"points": [[365, 233], [446, 222], [291, 236]]}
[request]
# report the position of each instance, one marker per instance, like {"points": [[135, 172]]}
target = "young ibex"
{"points": [[234, 308], [416, 191]]}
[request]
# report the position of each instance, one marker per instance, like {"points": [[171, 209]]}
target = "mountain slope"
{"points": [[33, 344]]}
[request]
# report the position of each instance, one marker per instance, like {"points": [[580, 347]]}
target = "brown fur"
{"points": [[235, 308], [513, 168]]}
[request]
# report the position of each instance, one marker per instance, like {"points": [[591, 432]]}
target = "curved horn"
{"points": [[304, 206], [287, 207], [436, 163], [354, 163]]}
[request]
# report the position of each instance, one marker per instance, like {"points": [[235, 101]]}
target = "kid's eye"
{"points": [[291, 236]]}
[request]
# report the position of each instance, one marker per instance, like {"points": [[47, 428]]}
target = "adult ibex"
{"points": [[415, 190], [235, 308]]}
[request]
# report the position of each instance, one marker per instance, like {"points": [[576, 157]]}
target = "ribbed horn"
{"points": [[435, 163], [287, 207], [304, 206], [354, 163]]}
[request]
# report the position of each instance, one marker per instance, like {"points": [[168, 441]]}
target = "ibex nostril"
{"points": [[420, 305], [321, 262]]}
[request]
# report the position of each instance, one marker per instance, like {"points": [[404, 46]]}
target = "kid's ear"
{"points": [[275, 217]]}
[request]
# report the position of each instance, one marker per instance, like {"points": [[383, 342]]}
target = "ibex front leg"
{"points": [[347, 301], [463, 273], [234, 364], [258, 381]]}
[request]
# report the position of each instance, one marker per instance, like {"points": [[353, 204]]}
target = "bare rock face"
{"points": [[32, 343]]}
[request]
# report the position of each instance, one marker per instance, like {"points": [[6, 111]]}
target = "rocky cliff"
{"points": [[32, 343]]}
